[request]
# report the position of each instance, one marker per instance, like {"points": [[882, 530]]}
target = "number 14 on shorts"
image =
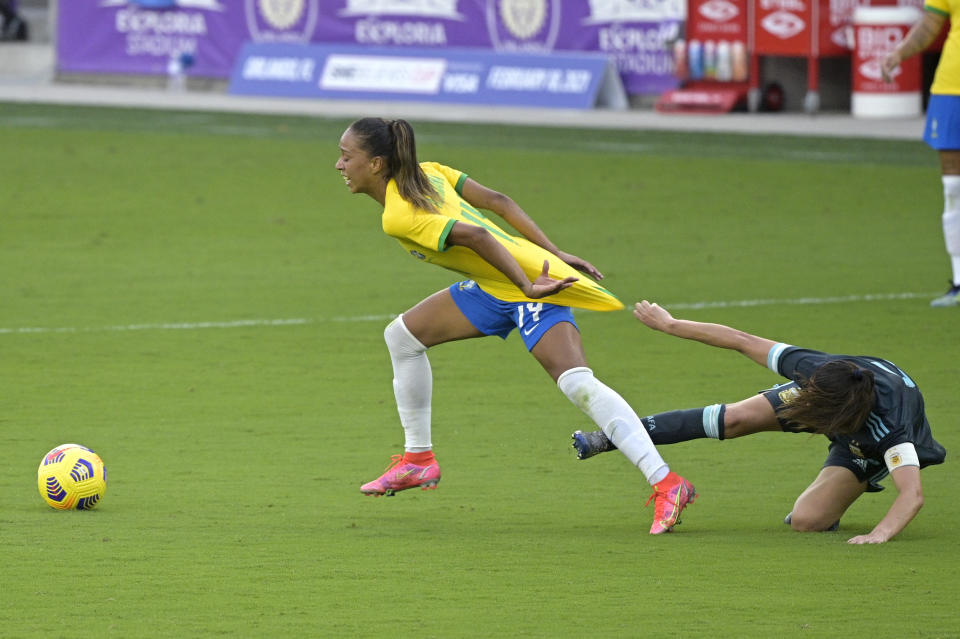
{"points": [[529, 311]]}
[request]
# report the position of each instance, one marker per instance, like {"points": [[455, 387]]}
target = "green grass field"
{"points": [[198, 298]]}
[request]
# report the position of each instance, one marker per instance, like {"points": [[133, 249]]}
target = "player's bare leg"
{"points": [[438, 319], [433, 321], [823, 503]]}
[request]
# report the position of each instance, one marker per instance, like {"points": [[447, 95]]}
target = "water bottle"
{"points": [[724, 63], [710, 59], [680, 60], [176, 75], [738, 65], [177, 67], [695, 59]]}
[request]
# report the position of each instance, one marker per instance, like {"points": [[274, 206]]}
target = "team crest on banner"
{"points": [[282, 20], [523, 25]]}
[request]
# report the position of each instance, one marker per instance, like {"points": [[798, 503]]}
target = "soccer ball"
{"points": [[72, 476]]}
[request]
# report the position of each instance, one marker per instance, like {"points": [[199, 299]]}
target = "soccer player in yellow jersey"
{"points": [[942, 131], [434, 212]]}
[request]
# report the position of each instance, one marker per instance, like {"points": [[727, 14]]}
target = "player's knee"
{"points": [[733, 421], [802, 521], [400, 341], [803, 525], [951, 191], [739, 420], [578, 384]]}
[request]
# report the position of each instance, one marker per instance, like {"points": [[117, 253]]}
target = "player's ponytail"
{"points": [[836, 400], [412, 182], [393, 140]]}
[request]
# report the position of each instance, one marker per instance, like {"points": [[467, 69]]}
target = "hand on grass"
{"points": [[870, 538]]}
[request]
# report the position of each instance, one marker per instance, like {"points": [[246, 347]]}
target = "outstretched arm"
{"points": [[903, 509], [657, 318], [921, 35], [483, 197]]}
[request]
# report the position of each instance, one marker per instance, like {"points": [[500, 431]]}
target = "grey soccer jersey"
{"points": [[897, 416]]}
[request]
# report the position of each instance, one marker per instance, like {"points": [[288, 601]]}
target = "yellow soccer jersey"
{"points": [[946, 80], [424, 236]]}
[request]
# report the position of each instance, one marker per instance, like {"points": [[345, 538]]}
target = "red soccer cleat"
{"points": [[401, 475]]}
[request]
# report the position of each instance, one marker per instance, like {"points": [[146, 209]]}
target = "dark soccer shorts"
{"points": [[778, 396], [867, 470]]}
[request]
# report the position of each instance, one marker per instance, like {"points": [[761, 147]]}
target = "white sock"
{"points": [[617, 420], [951, 221], [412, 384]]}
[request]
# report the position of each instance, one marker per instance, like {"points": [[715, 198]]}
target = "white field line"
{"points": [[841, 299], [187, 326], [299, 321]]}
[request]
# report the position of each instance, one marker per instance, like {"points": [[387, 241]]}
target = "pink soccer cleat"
{"points": [[670, 496], [401, 475]]}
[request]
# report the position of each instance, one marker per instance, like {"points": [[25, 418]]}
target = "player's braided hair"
{"points": [[393, 140], [836, 400]]}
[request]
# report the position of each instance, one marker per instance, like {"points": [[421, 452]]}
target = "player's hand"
{"points": [[545, 285], [652, 315], [870, 538], [580, 264], [888, 65]]}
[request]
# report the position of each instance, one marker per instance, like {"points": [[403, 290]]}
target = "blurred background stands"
{"points": [[29, 60]]}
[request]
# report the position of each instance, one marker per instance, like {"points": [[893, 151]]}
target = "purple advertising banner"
{"points": [[141, 36], [446, 75]]}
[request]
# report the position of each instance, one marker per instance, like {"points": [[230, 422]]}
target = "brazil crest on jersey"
{"points": [[424, 236]]}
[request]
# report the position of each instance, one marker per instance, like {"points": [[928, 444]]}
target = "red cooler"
{"points": [[877, 30]]}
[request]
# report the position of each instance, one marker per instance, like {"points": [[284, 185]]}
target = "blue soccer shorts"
{"points": [[942, 130], [492, 316]]}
